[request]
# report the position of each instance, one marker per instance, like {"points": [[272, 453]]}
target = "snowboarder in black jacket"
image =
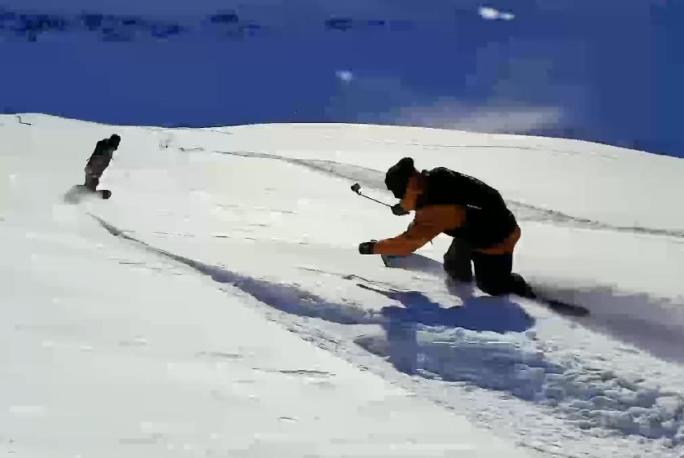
{"points": [[485, 232], [99, 160]]}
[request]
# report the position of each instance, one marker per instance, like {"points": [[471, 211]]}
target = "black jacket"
{"points": [[100, 158], [488, 221]]}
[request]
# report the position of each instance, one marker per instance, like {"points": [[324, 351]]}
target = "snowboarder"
{"points": [[484, 230], [99, 161]]}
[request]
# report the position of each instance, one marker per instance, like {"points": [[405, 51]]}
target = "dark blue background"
{"points": [[611, 71]]}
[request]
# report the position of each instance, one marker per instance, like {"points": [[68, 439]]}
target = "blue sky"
{"points": [[609, 72]]}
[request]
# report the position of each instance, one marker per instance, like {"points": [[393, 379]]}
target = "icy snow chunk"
{"points": [[591, 397], [604, 402], [669, 406]]}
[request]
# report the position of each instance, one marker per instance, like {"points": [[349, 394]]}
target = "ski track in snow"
{"points": [[282, 297], [517, 364], [374, 179]]}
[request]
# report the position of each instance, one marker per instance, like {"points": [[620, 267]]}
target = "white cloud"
{"points": [[344, 75], [488, 13], [451, 114], [491, 14], [389, 100], [520, 120]]}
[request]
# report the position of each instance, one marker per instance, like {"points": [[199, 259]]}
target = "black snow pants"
{"points": [[493, 273]]}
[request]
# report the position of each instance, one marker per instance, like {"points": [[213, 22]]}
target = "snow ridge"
{"points": [[375, 180]]}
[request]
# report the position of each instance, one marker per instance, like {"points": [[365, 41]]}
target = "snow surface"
{"points": [[212, 306]]}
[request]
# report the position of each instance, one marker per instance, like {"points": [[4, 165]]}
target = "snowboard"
{"points": [[79, 192], [418, 263]]}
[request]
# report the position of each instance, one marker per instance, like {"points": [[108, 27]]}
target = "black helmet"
{"points": [[397, 177], [114, 140]]}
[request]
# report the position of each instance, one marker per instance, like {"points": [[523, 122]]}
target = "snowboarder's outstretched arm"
{"points": [[427, 224]]}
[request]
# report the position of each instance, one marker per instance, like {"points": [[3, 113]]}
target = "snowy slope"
{"points": [[156, 323]]}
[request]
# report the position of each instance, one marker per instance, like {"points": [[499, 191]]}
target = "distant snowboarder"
{"points": [[484, 230], [99, 161]]}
